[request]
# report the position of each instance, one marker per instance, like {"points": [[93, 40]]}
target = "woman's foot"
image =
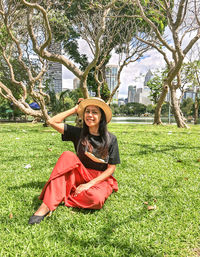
{"points": [[39, 215], [42, 210]]}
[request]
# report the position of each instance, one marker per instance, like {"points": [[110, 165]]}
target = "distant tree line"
{"points": [[137, 109], [67, 99]]}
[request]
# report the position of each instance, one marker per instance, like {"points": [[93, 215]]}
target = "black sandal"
{"points": [[35, 219]]}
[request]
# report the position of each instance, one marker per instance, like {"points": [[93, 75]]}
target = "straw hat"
{"points": [[97, 102]]}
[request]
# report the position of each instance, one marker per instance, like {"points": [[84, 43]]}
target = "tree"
{"points": [[115, 109], [191, 73], [165, 109], [187, 107], [151, 108], [118, 35], [183, 24], [89, 20], [133, 109], [102, 24], [21, 76], [63, 101], [155, 85], [27, 41], [5, 109]]}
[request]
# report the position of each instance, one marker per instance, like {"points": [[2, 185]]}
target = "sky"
{"points": [[133, 74]]}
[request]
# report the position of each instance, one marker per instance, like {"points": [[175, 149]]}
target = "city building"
{"points": [[142, 95], [111, 79], [147, 78], [76, 83], [189, 93], [131, 94], [55, 69], [121, 101]]}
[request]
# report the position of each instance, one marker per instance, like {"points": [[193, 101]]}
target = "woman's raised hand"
{"points": [[78, 102]]}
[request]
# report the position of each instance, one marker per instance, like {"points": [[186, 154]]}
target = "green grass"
{"points": [[159, 165]]}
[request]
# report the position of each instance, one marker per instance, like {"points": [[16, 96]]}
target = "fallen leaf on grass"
{"points": [[197, 251], [186, 178], [146, 203], [50, 149], [28, 166], [11, 215], [198, 160], [179, 161], [150, 208]]}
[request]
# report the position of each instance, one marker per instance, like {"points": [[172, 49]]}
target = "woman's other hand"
{"points": [[81, 188]]}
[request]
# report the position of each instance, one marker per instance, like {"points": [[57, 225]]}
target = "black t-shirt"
{"points": [[72, 133]]}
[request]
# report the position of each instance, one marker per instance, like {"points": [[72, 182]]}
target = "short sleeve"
{"points": [[71, 133], [114, 151]]}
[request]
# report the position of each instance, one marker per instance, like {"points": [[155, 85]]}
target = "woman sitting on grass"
{"points": [[84, 180]]}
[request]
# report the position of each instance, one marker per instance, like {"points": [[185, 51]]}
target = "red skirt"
{"points": [[68, 174]]}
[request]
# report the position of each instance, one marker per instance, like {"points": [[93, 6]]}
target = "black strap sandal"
{"points": [[35, 219]]}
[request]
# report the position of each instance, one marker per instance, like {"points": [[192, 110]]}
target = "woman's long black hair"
{"points": [[103, 132]]}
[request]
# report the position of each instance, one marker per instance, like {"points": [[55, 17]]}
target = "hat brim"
{"points": [[97, 102]]}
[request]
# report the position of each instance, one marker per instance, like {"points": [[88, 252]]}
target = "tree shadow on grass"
{"points": [[83, 211], [33, 184], [148, 148], [105, 236]]}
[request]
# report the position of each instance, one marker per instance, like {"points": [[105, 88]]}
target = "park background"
{"points": [[156, 210], [154, 213]]}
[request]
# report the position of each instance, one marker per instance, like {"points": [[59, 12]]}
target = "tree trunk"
{"points": [[196, 108], [176, 110], [23, 106], [157, 115], [83, 86]]}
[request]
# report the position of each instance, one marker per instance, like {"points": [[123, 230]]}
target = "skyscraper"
{"points": [[147, 78], [76, 83], [111, 79], [143, 94], [55, 69], [131, 94]]}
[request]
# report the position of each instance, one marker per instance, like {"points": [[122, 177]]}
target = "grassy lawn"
{"points": [[160, 167]]}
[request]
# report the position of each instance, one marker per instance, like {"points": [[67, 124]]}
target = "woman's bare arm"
{"points": [[104, 175], [56, 122]]}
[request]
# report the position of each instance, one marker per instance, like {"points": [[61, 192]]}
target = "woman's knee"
{"points": [[68, 154], [95, 198]]}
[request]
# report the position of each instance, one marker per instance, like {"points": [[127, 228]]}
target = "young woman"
{"points": [[84, 179]]}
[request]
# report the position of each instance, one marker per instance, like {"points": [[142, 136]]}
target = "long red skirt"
{"points": [[68, 174]]}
